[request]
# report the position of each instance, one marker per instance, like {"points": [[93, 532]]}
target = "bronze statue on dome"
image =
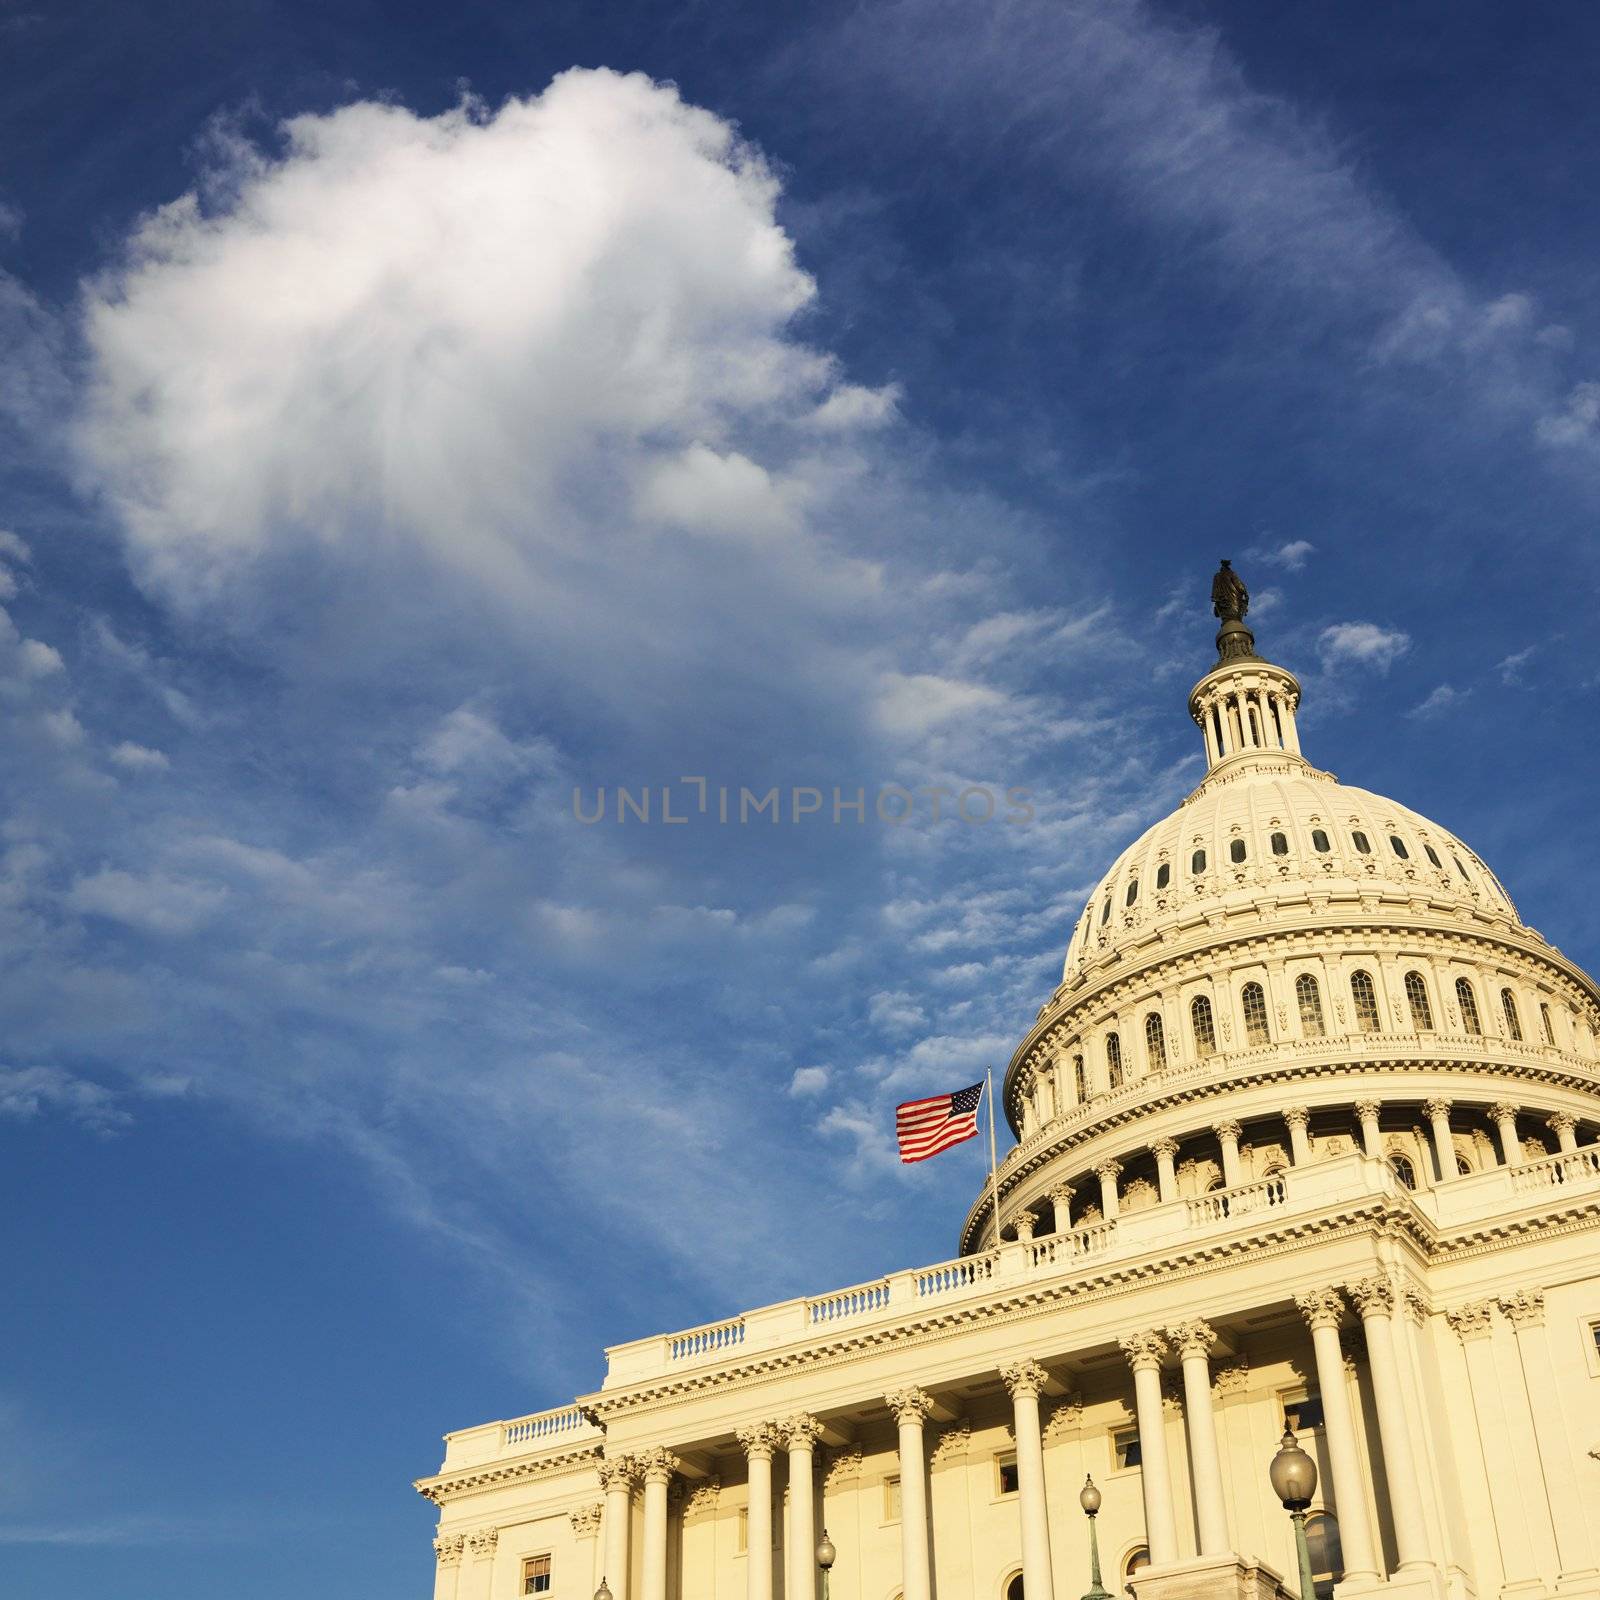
{"points": [[1229, 597]]}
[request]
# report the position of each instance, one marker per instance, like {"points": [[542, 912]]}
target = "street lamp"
{"points": [[1294, 1481], [1089, 1498], [826, 1556]]}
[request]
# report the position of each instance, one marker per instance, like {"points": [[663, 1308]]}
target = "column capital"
{"points": [[703, 1497], [1296, 1116], [1562, 1122], [1366, 1109], [1436, 1108], [482, 1541], [1024, 1378], [1322, 1308], [1110, 1171], [759, 1439], [1473, 1320], [1025, 1222], [1192, 1338], [1374, 1296], [1416, 1306], [1164, 1147], [657, 1465], [952, 1444], [585, 1520], [447, 1548], [1525, 1308], [801, 1432], [1062, 1191], [618, 1472], [1143, 1350], [910, 1406], [1503, 1111], [1227, 1130]]}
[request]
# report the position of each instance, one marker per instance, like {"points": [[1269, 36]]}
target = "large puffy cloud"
{"points": [[509, 343]]}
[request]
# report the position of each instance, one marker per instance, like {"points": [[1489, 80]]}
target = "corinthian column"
{"points": [[1322, 1309], [1164, 1150], [800, 1559], [911, 1408], [1504, 1116], [617, 1477], [1299, 1143], [1374, 1298], [1193, 1341], [1565, 1127], [1108, 1172], [1026, 1380], [1144, 1352], [1444, 1149], [656, 1467], [1061, 1200], [759, 1439], [1367, 1111], [1228, 1137]]}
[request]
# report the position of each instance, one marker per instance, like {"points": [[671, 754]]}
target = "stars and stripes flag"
{"points": [[925, 1127]]}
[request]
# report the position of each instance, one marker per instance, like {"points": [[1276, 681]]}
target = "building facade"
{"points": [[1308, 1131]]}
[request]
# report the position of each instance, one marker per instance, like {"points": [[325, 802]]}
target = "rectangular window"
{"points": [[891, 1498], [536, 1575], [1005, 1473], [741, 1536], [1302, 1410], [1125, 1450], [1594, 1330]]}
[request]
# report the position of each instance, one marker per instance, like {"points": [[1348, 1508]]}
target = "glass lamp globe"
{"points": [[1293, 1474], [1089, 1497], [602, 1593], [826, 1554]]}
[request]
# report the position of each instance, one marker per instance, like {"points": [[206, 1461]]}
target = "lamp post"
{"points": [[826, 1555], [1089, 1498], [1294, 1480]]}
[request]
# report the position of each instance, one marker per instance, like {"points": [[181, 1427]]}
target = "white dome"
{"points": [[1269, 819]]}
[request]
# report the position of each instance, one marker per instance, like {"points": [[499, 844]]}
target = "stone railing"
{"points": [[903, 1296], [565, 1428], [1569, 1167], [1506, 1191]]}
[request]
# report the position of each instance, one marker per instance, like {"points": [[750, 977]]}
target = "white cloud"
{"points": [[851, 406], [25, 1092], [702, 491], [1362, 644], [1510, 667], [895, 1011], [153, 902], [39, 660], [139, 758], [63, 728], [1576, 421], [1291, 556], [1439, 699], [915, 703], [809, 1080]]}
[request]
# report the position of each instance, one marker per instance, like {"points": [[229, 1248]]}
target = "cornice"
{"points": [[447, 1486], [1371, 1214]]}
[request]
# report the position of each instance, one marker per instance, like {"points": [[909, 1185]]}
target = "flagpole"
{"points": [[994, 1187]]}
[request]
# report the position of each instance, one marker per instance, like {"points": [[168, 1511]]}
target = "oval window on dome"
{"points": [[1398, 845], [1361, 842], [1163, 875], [1319, 841], [1197, 862], [1236, 851], [1280, 844], [1432, 855], [1133, 891]]}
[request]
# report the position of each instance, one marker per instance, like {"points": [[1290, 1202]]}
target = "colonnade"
{"points": [[1228, 1133], [1147, 1352]]}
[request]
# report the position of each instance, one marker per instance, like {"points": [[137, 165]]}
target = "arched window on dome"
{"points": [[1361, 842], [1163, 875], [1461, 869], [1508, 1004], [1253, 999], [1468, 1002], [1137, 1558], [1197, 862], [1327, 1559], [1432, 855], [1014, 1589], [1401, 1167], [1113, 1061], [1133, 891], [1398, 845], [1080, 1079], [1319, 841], [1545, 1022], [1205, 1033], [1417, 998], [1309, 998], [1365, 997], [1255, 728], [1155, 1042], [1105, 912], [1280, 844], [1236, 851]]}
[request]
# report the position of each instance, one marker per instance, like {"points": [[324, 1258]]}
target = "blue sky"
{"points": [[411, 414]]}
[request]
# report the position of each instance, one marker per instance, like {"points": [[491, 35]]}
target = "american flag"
{"points": [[925, 1127]]}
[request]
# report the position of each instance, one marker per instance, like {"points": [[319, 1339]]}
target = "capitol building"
{"points": [[1307, 1133]]}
